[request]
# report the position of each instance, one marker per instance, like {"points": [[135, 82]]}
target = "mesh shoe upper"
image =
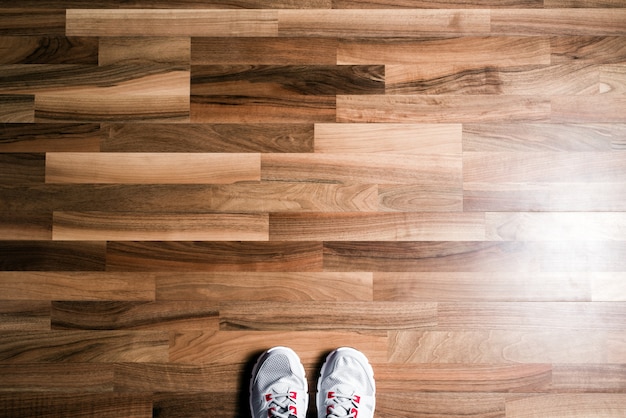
{"points": [[346, 387], [278, 387]]}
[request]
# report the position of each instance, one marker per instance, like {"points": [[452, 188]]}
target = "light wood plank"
{"points": [[381, 23], [377, 226], [567, 406], [559, 22], [83, 347], [314, 316], [487, 286], [160, 168], [421, 197], [445, 404], [590, 49], [84, 286], [608, 287], [593, 378], [604, 108], [25, 226], [173, 22], [501, 346], [107, 226], [239, 346], [278, 286], [511, 226], [442, 108], [466, 50], [388, 138]]}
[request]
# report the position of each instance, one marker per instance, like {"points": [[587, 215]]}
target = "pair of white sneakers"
{"points": [[279, 389]]}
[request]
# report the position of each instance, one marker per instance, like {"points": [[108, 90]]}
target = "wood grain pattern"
{"points": [[437, 183], [141, 168]]}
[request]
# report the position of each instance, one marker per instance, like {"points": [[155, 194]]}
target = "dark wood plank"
{"points": [[144, 50], [17, 108], [45, 21], [264, 51], [26, 315], [21, 347], [52, 255], [199, 405], [156, 137], [21, 168], [48, 50], [57, 377], [238, 198], [449, 405], [25, 226], [109, 405], [436, 4], [50, 137], [164, 4], [214, 256], [121, 315]]}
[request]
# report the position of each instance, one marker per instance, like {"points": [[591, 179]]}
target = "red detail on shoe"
{"points": [[331, 395], [355, 412], [293, 410], [357, 399], [293, 395], [270, 412], [268, 397]]}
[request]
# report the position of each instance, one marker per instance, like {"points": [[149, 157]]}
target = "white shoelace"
{"points": [[282, 405], [341, 406]]}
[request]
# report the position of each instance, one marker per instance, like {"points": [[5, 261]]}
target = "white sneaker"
{"points": [[278, 387], [346, 387]]}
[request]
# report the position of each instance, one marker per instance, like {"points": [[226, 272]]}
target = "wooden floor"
{"points": [[440, 184]]}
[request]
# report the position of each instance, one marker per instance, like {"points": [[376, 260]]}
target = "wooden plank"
{"points": [[177, 378], [576, 109], [591, 49], [146, 168], [25, 226], [203, 137], [592, 378], [548, 167], [421, 197], [465, 50], [51, 107], [275, 286], [123, 315], [400, 138], [441, 169], [310, 316], [50, 137], [381, 23], [191, 198], [48, 50], [512, 226], [28, 315], [486, 286], [57, 377], [264, 51], [608, 316], [214, 256], [420, 256], [544, 137], [283, 109], [612, 79], [144, 50], [449, 405], [110, 405], [199, 405], [22, 168], [500, 346], [436, 4], [45, 21], [443, 79], [376, 226], [49, 255], [21, 347], [240, 346], [172, 22], [471, 378], [79, 286], [17, 108], [106, 226], [608, 287], [603, 22], [567, 405], [443, 108], [554, 196], [583, 3]]}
